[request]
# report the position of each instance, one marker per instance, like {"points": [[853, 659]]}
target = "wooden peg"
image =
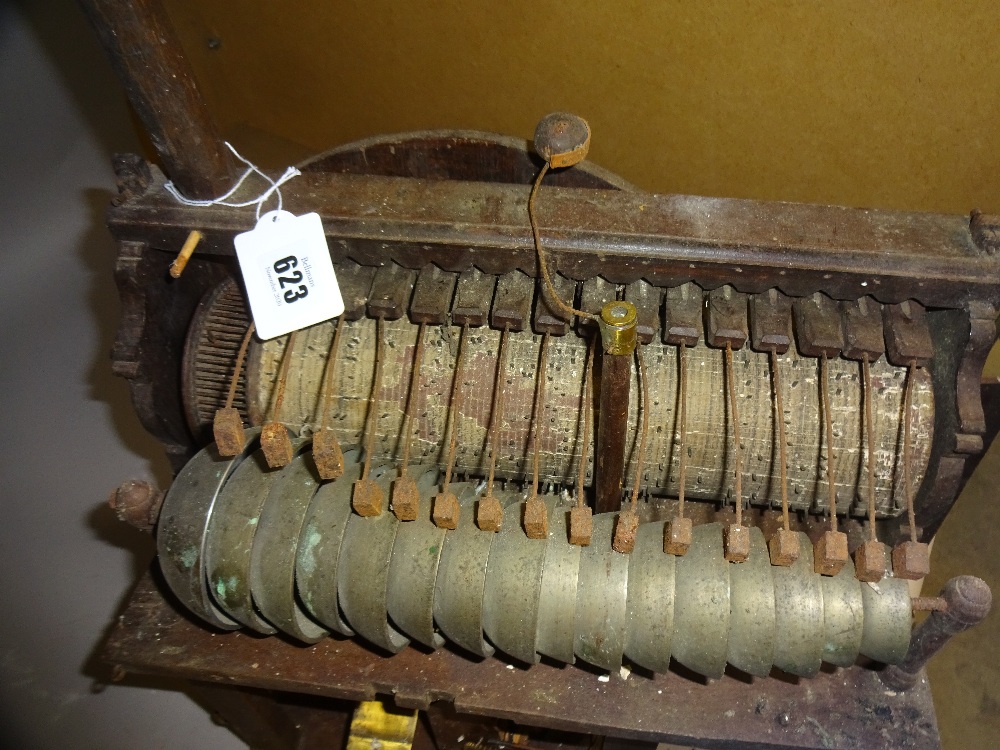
{"points": [[187, 250], [432, 295], [490, 516], [682, 316], [355, 287], [726, 318], [863, 336], [473, 295], [818, 326], [770, 322], [907, 334], [137, 503], [549, 318], [512, 302], [390, 292], [367, 497], [445, 510], [648, 301]]}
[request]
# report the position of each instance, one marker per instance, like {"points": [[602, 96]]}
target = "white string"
{"points": [[223, 200]]}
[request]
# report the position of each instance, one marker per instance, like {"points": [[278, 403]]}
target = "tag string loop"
{"points": [[224, 200]]}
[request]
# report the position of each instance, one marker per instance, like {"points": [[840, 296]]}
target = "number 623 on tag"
{"points": [[288, 273]]}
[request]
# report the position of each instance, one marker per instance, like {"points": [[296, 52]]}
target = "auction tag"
{"points": [[288, 273]]}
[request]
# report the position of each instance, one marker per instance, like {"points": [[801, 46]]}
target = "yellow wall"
{"points": [[890, 104]]}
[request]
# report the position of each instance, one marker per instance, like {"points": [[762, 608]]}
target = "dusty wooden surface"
{"points": [[622, 235]]}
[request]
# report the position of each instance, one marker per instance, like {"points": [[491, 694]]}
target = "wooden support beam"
{"points": [[146, 55]]}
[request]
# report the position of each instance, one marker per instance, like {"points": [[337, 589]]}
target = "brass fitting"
{"points": [[618, 323]]}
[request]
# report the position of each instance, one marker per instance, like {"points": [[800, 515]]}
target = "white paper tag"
{"points": [[288, 273]]}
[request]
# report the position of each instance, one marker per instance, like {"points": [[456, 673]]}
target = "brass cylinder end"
{"points": [[618, 327]]}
